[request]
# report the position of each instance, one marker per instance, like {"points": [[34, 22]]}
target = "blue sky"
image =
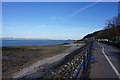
{"points": [[67, 20]]}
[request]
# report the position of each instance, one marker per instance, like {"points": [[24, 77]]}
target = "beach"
{"points": [[20, 58]]}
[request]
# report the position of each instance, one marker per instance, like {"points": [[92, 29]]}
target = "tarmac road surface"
{"points": [[107, 62]]}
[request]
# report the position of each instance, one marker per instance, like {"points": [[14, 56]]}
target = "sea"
{"points": [[6, 43]]}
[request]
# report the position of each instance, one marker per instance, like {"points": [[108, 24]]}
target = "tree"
{"points": [[114, 27]]}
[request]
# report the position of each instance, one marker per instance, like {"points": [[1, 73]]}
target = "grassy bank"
{"points": [[15, 58]]}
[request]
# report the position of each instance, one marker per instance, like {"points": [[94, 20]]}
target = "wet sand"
{"points": [[34, 65], [41, 67]]}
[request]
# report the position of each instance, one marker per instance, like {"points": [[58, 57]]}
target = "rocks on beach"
{"points": [[69, 69]]}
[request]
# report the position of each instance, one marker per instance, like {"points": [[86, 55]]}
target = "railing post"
{"points": [[90, 49], [84, 63], [84, 66], [87, 54]]}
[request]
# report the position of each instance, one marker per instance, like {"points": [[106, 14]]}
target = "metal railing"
{"points": [[85, 61]]}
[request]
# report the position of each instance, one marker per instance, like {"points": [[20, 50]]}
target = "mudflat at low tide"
{"points": [[17, 58]]}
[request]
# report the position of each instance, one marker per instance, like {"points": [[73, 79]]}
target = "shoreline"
{"points": [[28, 63], [11, 43], [37, 45], [47, 62]]}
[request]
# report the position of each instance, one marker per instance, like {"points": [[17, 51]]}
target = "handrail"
{"points": [[88, 53], [78, 70]]}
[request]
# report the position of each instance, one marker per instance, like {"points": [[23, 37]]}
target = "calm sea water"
{"points": [[33, 42]]}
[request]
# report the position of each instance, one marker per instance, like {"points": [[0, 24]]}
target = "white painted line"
{"points": [[113, 67]]}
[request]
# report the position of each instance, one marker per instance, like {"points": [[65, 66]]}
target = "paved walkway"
{"points": [[107, 62]]}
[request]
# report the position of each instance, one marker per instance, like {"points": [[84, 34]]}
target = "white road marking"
{"points": [[113, 67]]}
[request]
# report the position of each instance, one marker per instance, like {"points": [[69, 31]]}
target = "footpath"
{"points": [[106, 64]]}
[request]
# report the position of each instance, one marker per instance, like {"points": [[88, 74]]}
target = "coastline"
{"points": [[10, 43], [61, 48]]}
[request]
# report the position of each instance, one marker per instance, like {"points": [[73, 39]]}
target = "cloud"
{"points": [[42, 26], [52, 18], [84, 8], [57, 18]]}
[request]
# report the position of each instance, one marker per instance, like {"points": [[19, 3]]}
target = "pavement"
{"points": [[107, 62]]}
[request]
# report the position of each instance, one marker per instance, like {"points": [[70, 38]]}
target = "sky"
{"points": [[55, 20]]}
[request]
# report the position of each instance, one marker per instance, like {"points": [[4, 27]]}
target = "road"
{"points": [[107, 62]]}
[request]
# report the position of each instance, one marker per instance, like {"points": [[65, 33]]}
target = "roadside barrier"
{"points": [[84, 63]]}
